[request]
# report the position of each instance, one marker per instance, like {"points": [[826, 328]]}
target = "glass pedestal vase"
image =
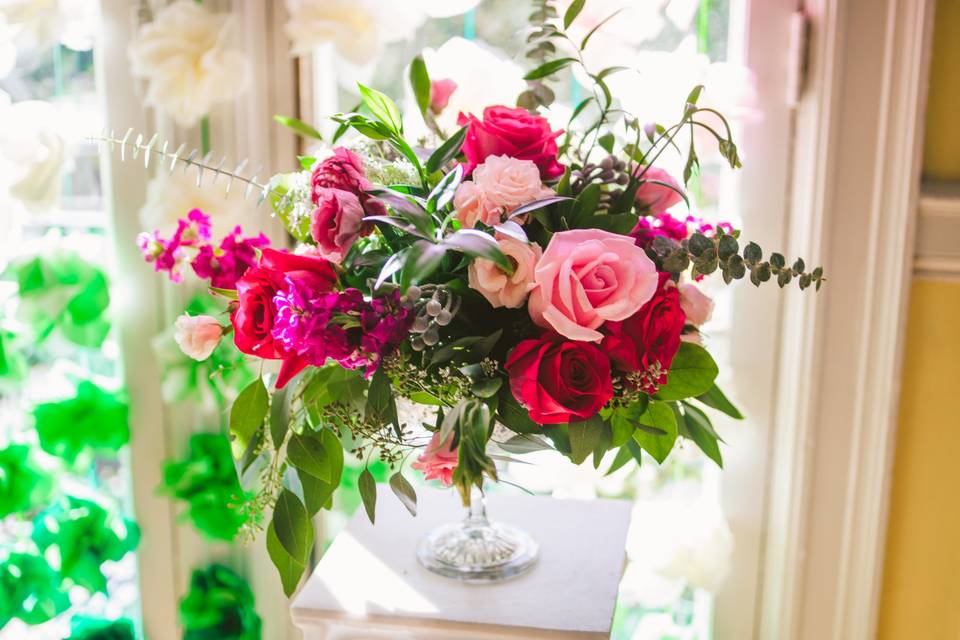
{"points": [[477, 550]]}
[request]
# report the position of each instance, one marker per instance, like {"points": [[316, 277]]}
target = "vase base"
{"points": [[473, 551]]}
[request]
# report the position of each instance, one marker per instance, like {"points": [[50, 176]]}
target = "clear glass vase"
{"points": [[477, 550]]}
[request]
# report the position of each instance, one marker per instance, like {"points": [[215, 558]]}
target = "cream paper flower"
{"points": [[185, 58], [357, 29], [171, 196], [32, 154]]}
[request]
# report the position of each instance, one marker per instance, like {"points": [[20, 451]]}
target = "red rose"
{"points": [[516, 133], [648, 340], [559, 380], [253, 316], [344, 170]]}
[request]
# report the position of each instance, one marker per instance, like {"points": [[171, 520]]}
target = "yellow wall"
{"points": [[941, 154], [921, 590], [921, 586]]}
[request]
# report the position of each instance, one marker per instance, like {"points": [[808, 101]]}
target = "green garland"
{"points": [[94, 421], [219, 606], [63, 292], [13, 366], [207, 480], [213, 382], [30, 590], [83, 628], [85, 535], [24, 485]]}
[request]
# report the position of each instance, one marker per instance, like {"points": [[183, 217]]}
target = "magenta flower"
{"points": [[168, 255], [225, 265]]}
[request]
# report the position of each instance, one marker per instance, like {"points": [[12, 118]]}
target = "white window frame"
{"points": [[145, 305]]}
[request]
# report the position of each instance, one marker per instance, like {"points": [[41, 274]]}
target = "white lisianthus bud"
{"points": [[197, 336]]}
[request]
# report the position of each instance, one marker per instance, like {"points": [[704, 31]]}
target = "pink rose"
{"points": [[697, 306], [438, 461], [512, 132], [589, 276], [497, 287], [500, 185], [344, 170], [657, 198], [197, 336], [440, 92], [336, 223]]}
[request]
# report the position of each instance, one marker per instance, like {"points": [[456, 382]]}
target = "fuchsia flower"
{"points": [[225, 265], [440, 92], [169, 255], [439, 461], [662, 224]]}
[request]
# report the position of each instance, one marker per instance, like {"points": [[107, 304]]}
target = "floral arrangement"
{"points": [[521, 285]]}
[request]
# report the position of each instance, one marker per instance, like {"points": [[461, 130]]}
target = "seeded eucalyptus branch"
{"points": [[706, 254], [542, 32]]}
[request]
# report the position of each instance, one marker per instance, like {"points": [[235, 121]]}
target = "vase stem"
{"points": [[477, 512]]}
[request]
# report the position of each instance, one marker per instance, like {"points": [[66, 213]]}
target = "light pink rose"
{"points": [[497, 287], [697, 306], [500, 185], [589, 276], [336, 223], [197, 336], [438, 461], [440, 92], [657, 198]]}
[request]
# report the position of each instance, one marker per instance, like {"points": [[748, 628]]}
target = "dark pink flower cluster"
{"points": [[223, 265], [338, 325]]}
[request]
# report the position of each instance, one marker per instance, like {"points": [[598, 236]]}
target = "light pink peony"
{"points": [[438, 461], [657, 198], [500, 185], [336, 223], [697, 306], [497, 287], [589, 276], [197, 336]]}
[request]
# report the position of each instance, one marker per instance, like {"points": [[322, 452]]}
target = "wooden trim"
{"points": [[855, 189], [938, 231]]}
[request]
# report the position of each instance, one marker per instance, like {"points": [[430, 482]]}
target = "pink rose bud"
{"points": [[337, 223], [440, 92], [497, 287], [657, 198], [438, 461], [197, 336], [697, 306]]}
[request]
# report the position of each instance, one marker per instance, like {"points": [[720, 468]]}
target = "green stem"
{"points": [[205, 135], [703, 26]]}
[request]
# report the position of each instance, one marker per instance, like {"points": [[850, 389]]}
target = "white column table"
{"points": [[369, 586]]}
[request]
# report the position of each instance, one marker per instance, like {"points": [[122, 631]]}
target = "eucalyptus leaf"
{"points": [[368, 493], [292, 525], [248, 412], [405, 492], [289, 568]]}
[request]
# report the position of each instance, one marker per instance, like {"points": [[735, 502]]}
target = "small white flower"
{"points": [[197, 336], [184, 56]]}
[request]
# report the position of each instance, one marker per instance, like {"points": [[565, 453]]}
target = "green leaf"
{"points": [[549, 68], [280, 413], [586, 38], [292, 525], [513, 415], [624, 455], [478, 244], [701, 432], [694, 94], [606, 141], [368, 493], [230, 294], [716, 399], [309, 455], [383, 108], [446, 152], [443, 193], [572, 12], [486, 388], [317, 492], [381, 407], [405, 492], [660, 416], [247, 413], [584, 437], [620, 223], [420, 83], [299, 126], [691, 374], [290, 568], [525, 443]]}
